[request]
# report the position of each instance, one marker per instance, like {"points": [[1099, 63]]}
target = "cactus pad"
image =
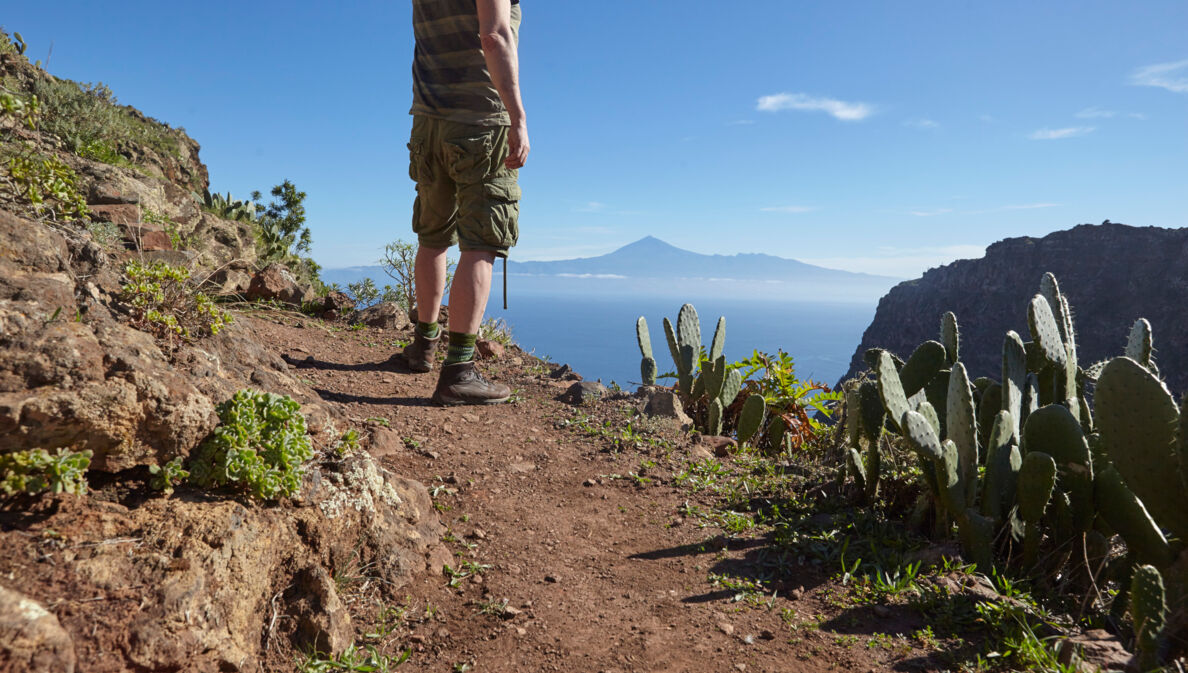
{"points": [[950, 486], [689, 329], [1037, 477], [923, 365], [1138, 420], [714, 419], [644, 339], [890, 388], [1148, 606], [1054, 431], [713, 375], [872, 410], [926, 410], [647, 371], [1002, 467], [1045, 331], [751, 417], [719, 341], [922, 437], [1128, 517], [1138, 344], [673, 348], [1014, 378], [962, 427], [950, 336], [730, 388]]}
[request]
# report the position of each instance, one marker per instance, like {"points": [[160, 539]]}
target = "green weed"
{"points": [[37, 470], [165, 305]]}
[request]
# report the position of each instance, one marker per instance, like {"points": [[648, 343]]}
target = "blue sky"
{"points": [[875, 136]]}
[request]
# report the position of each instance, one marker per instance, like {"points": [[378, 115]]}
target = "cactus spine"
{"points": [[1138, 344]]}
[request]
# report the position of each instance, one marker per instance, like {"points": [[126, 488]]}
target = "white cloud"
{"points": [[1095, 113], [1057, 134], [788, 209], [591, 207], [900, 262], [1163, 75], [922, 123], [930, 213], [798, 101]]}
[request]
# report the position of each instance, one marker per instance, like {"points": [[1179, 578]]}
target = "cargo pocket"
{"points": [[418, 160], [470, 158], [502, 196]]}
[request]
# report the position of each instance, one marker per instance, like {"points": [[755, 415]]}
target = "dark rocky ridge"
{"points": [[1112, 274]]}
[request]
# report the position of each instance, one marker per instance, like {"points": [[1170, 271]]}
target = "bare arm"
{"points": [[499, 48]]}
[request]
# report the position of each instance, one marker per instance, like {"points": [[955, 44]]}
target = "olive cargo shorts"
{"points": [[465, 195]]}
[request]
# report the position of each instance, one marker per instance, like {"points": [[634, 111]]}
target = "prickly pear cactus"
{"points": [[1054, 431], [647, 371], [643, 337], [950, 486], [1138, 421], [673, 348], [1139, 344], [926, 410], [751, 418], [775, 433], [1129, 518], [950, 336], [925, 363], [1148, 607], [1014, 378], [689, 329], [714, 422], [962, 428], [922, 437], [730, 388], [1045, 331], [647, 366], [719, 341], [891, 389], [1002, 468], [713, 375], [1037, 477]]}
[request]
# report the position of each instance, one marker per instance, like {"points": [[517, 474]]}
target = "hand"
{"points": [[518, 147]]}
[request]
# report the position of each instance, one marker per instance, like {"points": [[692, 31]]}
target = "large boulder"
{"points": [[384, 315], [275, 281]]}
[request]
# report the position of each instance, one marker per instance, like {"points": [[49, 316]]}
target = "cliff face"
{"points": [[1112, 274]]}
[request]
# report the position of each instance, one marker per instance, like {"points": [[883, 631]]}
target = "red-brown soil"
{"points": [[607, 574]]}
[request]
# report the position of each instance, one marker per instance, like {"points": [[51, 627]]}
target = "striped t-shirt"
{"points": [[450, 76]]}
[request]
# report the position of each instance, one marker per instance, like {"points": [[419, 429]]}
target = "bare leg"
{"points": [[468, 294], [430, 274]]}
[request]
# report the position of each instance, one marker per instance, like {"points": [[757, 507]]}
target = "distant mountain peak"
{"points": [[647, 243]]}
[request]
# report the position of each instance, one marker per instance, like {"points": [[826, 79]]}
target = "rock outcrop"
{"points": [[1112, 274]]}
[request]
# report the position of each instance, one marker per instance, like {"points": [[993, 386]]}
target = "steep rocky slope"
{"points": [[125, 579], [1112, 274]]}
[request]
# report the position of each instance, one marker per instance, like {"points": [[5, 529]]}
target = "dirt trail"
{"points": [[600, 573]]}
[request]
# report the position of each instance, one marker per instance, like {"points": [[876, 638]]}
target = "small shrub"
{"points": [[24, 110], [496, 329], [106, 234], [88, 118], [37, 470], [348, 443], [45, 183], [261, 445], [167, 476], [166, 306]]}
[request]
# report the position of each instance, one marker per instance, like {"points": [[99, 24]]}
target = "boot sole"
{"points": [[418, 367], [462, 401]]}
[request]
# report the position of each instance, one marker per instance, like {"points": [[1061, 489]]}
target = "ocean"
{"points": [[595, 335]]}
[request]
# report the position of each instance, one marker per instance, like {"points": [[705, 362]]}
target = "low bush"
{"points": [[37, 470], [166, 476], [261, 445], [165, 305], [45, 183]]}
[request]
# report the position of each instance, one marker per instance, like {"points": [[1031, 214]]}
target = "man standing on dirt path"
{"points": [[469, 138]]}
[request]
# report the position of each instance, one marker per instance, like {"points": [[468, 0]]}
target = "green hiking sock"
{"points": [[461, 348], [429, 330]]}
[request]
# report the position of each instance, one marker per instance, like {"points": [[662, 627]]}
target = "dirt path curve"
{"points": [[599, 573]]}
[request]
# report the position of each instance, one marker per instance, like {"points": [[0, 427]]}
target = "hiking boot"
{"points": [[419, 354], [463, 384]]}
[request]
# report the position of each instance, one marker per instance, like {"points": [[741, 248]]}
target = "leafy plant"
{"points": [[106, 234], [497, 330], [347, 443], [37, 470], [229, 208], [45, 183], [261, 445], [24, 110], [399, 262], [167, 476], [365, 659], [165, 305]]}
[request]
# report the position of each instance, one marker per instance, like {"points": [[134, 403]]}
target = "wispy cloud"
{"points": [[1096, 113], [931, 213], [591, 207], [921, 123], [741, 122], [1170, 76], [788, 209], [838, 109], [1057, 134], [1017, 206]]}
